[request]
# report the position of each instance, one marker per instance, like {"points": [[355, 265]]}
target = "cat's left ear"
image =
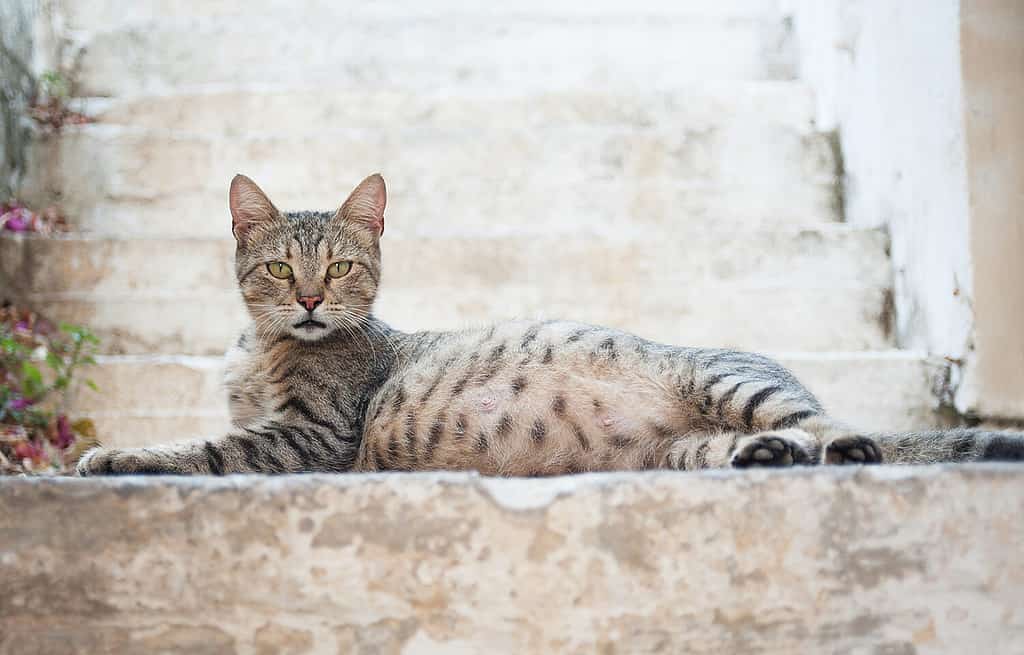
{"points": [[365, 205]]}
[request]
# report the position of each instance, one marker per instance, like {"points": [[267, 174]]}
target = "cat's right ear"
{"points": [[250, 207]]}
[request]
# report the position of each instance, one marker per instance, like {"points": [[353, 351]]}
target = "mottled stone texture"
{"points": [[880, 561]]}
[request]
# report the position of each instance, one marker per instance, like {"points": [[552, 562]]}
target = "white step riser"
{"points": [[811, 320], [612, 208], [828, 257], [699, 107], [817, 290], [511, 52], [103, 15], [147, 400], [152, 193], [125, 430], [528, 176]]}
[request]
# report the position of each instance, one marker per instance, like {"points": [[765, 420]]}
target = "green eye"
{"points": [[280, 270], [339, 269]]}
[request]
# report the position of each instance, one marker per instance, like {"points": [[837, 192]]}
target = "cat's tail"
{"points": [[959, 445]]}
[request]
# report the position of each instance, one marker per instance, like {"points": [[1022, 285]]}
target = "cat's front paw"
{"points": [[109, 461], [89, 464], [769, 450], [852, 449]]}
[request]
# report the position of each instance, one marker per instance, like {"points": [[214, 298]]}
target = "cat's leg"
{"points": [[774, 449], [752, 394], [271, 448]]}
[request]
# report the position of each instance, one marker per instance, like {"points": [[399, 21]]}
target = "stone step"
{"points": [[719, 316], [101, 15], [819, 256], [344, 48], [830, 560], [147, 428], [131, 181], [815, 288], [148, 399], [705, 106]]}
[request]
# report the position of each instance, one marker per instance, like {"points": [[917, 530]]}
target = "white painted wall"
{"points": [[889, 77]]}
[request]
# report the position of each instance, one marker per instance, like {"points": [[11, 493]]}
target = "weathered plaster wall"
{"points": [[882, 560], [992, 38], [16, 85], [31, 42]]}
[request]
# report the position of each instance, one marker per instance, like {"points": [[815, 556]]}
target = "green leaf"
{"points": [[12, 347], [53, 361], [36, 417], [31, 380]]}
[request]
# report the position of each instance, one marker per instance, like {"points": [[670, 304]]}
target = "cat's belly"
{"points": [[527, 419]]}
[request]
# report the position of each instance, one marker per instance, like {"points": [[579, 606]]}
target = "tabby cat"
{"points": [[318, 384]]}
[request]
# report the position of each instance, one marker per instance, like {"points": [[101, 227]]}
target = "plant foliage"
{"points": [[39, 376]]}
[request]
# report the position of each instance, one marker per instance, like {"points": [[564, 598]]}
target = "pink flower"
{"points": [[18, 219], [29, 450], [18, 403], [65, 437]]}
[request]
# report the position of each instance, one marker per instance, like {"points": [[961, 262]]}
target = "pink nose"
{"points": [[310, 302]]}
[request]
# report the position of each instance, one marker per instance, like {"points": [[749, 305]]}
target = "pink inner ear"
{"points": [[366, 203], [249, 206]]}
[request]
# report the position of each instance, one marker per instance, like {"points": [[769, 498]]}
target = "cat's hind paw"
{"points": [[769, 450], [852, 449]]}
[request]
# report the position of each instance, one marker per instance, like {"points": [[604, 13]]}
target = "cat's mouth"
{"points": [[310, 324]]}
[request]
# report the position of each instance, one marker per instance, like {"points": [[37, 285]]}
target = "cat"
{"points": [[317, 383]]}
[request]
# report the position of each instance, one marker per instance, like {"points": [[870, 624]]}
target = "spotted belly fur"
{"points": [[527, 399]]}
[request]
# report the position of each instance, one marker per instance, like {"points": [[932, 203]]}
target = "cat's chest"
{"points": [[281, 377]]}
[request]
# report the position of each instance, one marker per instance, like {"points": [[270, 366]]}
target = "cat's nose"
{"points": [[310, 302]]}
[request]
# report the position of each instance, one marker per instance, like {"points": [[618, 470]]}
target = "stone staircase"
{"points": [[651, 165], [837, 560]]}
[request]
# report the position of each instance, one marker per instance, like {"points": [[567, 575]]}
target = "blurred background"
{"points": [[833, 182]]}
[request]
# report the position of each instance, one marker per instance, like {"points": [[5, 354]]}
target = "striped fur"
{"points": [[517, 398]]}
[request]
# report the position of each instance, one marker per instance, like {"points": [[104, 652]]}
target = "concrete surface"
{"points": [[882, 560], [992, 53]]}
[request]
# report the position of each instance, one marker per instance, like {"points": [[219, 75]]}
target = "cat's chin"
{"points": [[310, 331]]}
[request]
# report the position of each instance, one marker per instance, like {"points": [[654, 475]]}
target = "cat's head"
{"points": [[307, 274]]}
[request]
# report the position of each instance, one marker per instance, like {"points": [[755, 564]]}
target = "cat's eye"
{"points": [[339, 269], [280, 270]]}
